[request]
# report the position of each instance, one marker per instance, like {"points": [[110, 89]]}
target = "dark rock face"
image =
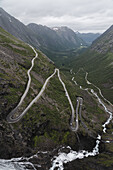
{"points": [[104, 43], [85, 164], [12, 143], [61, 39], [48, 37], [17, 28]]}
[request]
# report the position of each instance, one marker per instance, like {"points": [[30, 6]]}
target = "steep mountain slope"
{"points": [[43, 126], [17, 28], [49, 38], [88, 37], [98, 61], [59, 43], [104, 43], [57, 39], [69, 38], [51, 42], [46, 124]]}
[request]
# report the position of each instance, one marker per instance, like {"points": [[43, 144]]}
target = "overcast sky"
{"points": [[80, 15]]}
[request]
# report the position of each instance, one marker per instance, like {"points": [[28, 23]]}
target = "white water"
{"points": [[58, 161], [11, 164], [62, 157], [88, 82], [106, 110], [15, 165], [73, 155]]}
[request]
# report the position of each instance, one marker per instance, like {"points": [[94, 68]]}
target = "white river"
{"points": [[62, 157], [58, 161]]}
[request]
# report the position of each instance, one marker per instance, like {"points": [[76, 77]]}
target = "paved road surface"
{"points": [[78, 111], [10, 118]]}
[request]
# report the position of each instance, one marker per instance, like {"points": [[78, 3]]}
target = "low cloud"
{"points": [[80, 15]]}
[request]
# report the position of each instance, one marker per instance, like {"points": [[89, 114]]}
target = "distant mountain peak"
{"points": [[77, 32], [56, 39], [63, 28], [88, 37]]}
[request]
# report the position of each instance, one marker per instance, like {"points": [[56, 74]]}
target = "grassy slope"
{"points": [[63, 58], [98, 61], [100, 69], [46, 124]]}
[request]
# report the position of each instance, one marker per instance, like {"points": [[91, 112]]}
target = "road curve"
{"points": [[14, 120], [68, 97], [92, 92], [78, 112], [10, 118]]}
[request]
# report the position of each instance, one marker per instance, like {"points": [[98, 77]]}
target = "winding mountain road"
{"points": [[92, 92], [78, 112], [10, 115], [10, 118]]}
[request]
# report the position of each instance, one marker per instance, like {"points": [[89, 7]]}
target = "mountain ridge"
{"points": [[40, 38], [46, 127], [104, 43], [17, 28], [97, 60], [62, 39], [42, 127], [89, 38]]}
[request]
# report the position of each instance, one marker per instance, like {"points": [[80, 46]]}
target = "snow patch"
{"points": [[10, 19], [55, 29]]}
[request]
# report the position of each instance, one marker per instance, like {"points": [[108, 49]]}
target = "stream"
{"points": [[62, 158]]}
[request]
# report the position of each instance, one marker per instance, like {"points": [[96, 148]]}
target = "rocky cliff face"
{"points": [[17, 28], [104, 43]]}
